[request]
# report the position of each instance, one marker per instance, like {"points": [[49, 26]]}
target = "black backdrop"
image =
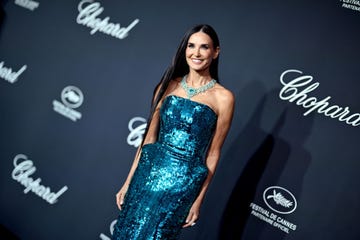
{"points": [[282, 175]]}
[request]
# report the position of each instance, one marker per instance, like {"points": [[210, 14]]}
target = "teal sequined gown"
{"points": [[170, 173]]}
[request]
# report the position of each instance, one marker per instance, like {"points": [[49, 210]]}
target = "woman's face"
{"points": [[200, 51]]}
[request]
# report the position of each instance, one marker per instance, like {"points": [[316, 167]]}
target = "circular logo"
{"points": [[72, 96], [279, 200]]}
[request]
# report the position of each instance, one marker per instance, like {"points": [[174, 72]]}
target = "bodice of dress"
{"points": [[186, 126]]}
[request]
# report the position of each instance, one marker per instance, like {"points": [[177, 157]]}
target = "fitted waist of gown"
{"points": [[182, 152]]}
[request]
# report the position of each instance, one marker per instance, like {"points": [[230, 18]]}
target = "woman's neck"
{"points": [[197, 79]]}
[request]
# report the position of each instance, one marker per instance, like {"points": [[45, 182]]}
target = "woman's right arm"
{"points": [[150, 137]]}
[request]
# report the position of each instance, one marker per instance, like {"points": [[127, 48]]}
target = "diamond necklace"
{"points": [[190, 91]]}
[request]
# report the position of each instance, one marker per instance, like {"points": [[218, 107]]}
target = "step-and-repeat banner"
{"points": [[76, 80]]}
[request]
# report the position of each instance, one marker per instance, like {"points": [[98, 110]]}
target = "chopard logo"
{"points": [[292, 91], [9, 75], [88, 16], [23, 169], [279, 200], [31, 5], [136, 132], [112, 226]]}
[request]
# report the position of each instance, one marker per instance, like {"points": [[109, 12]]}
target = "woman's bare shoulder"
{"points": [[224, 95]]}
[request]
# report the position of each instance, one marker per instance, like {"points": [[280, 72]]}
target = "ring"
{"points": [[193, 224]]}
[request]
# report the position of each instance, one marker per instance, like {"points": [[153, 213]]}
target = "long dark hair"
{"points": [[180, 68]]}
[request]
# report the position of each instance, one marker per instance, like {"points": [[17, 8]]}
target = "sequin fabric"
{"points": [[170, 173]]}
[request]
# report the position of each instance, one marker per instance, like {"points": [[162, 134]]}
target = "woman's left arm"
{"points": [[225, 114]]}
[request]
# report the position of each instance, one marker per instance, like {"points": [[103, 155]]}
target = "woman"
{"points": [[189, 120]]}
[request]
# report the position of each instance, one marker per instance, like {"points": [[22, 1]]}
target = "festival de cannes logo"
{"points": [[71, 98], [279, 200], [351, 4]]}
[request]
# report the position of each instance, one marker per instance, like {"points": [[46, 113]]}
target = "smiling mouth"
{"points": [[197, 61]]}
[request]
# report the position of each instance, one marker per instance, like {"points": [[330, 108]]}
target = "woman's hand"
{"points": [[121, 194], [193, 215]]}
